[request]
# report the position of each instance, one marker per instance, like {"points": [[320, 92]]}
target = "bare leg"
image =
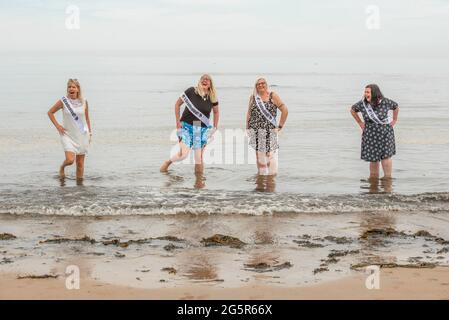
{"points": [[69, 159], [199, 164], [80, 166], [181, 155], [387, 166], [374, 170], [272, 163], [262, 163]]}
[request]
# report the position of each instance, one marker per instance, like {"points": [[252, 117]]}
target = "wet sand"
{"points": [[300, 256]]}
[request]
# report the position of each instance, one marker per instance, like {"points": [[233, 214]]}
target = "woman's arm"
{"points": [[216, 111], [178, 105], [282, 107], [357, 119], [248, 112], [395, 117], [51, 115], [87, 118]]}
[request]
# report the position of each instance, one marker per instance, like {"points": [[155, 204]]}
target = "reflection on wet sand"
{"points": [[263, 230], [74, 253], [265, 256], [372, 246], [376, 185], [263, 237], [201, 269], [265, 183], [199, 264]]}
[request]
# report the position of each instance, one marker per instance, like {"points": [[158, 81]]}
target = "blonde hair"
{"points": [[212, 92], [77, 84], [255, 85]]}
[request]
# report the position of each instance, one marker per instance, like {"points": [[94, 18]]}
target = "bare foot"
{"points": [[61, 172], [165, 165]]}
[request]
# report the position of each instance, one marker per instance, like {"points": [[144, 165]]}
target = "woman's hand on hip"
{"points": [[362, 125], [61, 129]]}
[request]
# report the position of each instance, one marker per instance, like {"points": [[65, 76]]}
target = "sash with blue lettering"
{"points": [[76, 119]]}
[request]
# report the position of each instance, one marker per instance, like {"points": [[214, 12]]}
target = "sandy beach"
{"points": [[397, 284], [226, 257]]}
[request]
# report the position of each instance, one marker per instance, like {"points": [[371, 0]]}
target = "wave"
{"points": [[101, 201]]}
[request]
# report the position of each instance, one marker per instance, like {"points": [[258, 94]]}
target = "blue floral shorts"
{"points": [[195, 137]]}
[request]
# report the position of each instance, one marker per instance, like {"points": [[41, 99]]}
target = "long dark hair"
{"points": [[376, 94]]}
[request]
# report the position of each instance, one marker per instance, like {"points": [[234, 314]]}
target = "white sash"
{"points": [[372, 115], [261, 105], [197, 113], [74, 116]]}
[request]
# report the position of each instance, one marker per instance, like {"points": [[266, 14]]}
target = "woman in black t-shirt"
{"points": [[193, 126]]}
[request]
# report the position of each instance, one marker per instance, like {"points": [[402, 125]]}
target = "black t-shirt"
{"points": [[205, 106]]}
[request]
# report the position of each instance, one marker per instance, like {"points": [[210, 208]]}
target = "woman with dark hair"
{"points": [[378, 143]]}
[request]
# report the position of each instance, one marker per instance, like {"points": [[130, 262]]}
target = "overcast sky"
{"points": [[322, 27]]}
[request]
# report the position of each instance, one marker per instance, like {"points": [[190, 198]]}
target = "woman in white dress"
{"points": [[75, 131]]}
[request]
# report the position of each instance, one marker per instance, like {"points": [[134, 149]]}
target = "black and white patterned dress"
{"points": [[378, 142], [262, 136]]}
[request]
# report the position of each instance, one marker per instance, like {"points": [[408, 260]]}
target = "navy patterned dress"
{"points": [[262, 136], [378, 142]]}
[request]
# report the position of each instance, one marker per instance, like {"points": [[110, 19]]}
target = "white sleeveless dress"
{"points": [[73, 140]]}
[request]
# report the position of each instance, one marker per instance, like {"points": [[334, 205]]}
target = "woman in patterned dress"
{"points": [[262, 133], [378, 142]]}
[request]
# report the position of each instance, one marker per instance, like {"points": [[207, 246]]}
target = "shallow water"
{"points": [[131, 104]]}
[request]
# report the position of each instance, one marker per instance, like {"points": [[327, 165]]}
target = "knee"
{"points": [[183, 155], [262, 161], [69, 161], [262, 164]]}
